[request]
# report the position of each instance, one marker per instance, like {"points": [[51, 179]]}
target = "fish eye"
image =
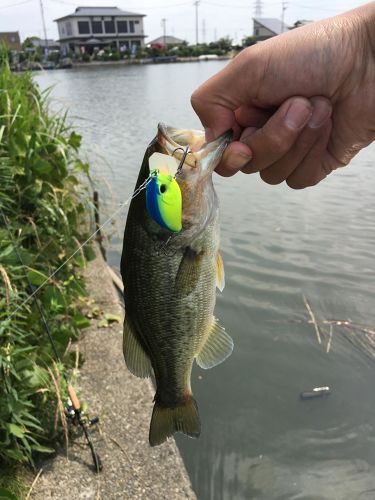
{"points": [[163, 188]]}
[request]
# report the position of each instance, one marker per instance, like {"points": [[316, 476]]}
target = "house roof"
{"points": [[10, 33], [272, 24], [168, 40], [100, 11]]}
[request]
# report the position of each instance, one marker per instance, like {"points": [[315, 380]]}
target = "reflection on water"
{"points": [[258, 439]]}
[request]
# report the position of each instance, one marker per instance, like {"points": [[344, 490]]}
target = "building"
{"points": [[11, 39], [42, 43], [165, 41], [88, 28], [264, 28], [301, 22]]}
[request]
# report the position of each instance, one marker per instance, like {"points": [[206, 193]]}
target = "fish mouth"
{"points": [[207, 155]]}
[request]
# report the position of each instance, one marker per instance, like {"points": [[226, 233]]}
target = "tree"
{"points": [[28, 43], [249, 40]]}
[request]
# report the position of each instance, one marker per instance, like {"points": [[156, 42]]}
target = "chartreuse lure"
{"points": [[163, 194]]}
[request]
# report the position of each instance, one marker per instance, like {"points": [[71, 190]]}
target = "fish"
{"points": [[171, 266]]}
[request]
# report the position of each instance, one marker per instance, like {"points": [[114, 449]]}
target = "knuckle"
{"points": [[196, 100]]}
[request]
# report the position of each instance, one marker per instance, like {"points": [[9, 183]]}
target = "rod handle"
{"points": [[74, 398]]}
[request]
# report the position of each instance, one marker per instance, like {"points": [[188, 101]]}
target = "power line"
{"points": [[316, 8], [15, 4]]}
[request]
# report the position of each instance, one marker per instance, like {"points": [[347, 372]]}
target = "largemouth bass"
{"points": [[170, 269]]}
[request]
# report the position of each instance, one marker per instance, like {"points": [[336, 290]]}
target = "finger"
{"points": [[271, 142], [311, 134], [317, 164], [251, 116], [216, 100], [235, 157]]}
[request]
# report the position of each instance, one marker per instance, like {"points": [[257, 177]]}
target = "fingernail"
{"points": [[320, 114], [239, 160], [298, 114], [209, 134]]}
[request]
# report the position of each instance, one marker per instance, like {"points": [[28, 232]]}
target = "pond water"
{"points": [[259, 440]]}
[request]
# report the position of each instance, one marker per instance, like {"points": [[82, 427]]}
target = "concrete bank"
{"points": [[131, 469]]}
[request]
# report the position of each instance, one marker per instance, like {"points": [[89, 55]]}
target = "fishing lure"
{"points": [[163, 194]]}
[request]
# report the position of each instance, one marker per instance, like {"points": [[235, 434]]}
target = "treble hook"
{"points": [[185, 153]]}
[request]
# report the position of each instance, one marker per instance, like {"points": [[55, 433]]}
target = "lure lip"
{"points": [[202, 149]]}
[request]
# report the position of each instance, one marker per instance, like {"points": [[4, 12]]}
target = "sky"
{"points": [[216, 18]]}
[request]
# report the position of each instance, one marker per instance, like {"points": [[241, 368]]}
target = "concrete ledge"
{"points": [[131, 469]]}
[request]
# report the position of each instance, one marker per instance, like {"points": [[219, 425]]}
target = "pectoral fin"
{"points": [[220, 276], [188, 272], [218, 346], [136, 359]]}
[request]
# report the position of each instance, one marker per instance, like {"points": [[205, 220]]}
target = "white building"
{"points": [[100, 27]]}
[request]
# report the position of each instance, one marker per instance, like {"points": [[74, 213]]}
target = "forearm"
{"points": [[367, 19]]}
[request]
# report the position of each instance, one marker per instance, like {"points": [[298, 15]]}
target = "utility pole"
{"points": [[43, 22], [284, 7], [164, 24], [258, 8], [203, 31], [196, 3]]}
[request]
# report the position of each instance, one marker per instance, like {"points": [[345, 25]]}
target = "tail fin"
{"points": [[166, 421]]}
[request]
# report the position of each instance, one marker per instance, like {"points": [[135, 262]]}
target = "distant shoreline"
{"points": [[148, 61]]}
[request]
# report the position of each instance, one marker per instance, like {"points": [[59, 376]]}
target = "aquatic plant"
{"points": [[46, 201]]}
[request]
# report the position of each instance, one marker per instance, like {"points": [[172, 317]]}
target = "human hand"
{"points": [[301, 104]]}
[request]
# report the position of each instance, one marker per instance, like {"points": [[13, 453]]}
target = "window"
{"points": [[12, 39], [68, 26], [83, 27], [96, 26], [131, 26], [109, 26], [122, 26], [63, 30], [256, 31], [136, 22]]}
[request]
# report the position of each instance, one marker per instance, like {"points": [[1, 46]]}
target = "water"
{"points": [[259, 441]]}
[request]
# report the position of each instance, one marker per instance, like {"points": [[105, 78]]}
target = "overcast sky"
{"points": [[217, 18]]}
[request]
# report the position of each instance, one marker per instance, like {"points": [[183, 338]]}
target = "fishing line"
{"points": [[136, 192]]}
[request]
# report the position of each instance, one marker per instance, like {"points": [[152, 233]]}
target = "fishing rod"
{"points": [[73, 409]]}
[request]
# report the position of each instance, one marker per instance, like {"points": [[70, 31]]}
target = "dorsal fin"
{"points": [[136, 359], [218, 346]]}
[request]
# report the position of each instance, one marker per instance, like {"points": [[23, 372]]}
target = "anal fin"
{"points": [[218, 346], [136, 359]]}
